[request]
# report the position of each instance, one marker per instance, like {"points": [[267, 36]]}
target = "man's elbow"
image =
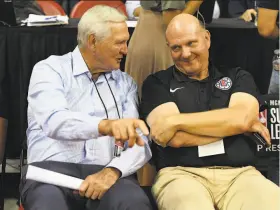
{"points": [[266, 30]]}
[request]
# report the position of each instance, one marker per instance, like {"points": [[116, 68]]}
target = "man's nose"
{"points": [[186, 53], [124, 49]]}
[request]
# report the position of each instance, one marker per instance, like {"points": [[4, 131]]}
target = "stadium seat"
{"points": [[81, 7], [51, 7]]}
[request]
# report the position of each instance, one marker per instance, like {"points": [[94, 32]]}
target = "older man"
{"points": [[197, 115], [79, 105]]}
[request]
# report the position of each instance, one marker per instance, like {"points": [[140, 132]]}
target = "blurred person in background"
{"points": [[67, 5], [133, 9], [243, 9], [268, 20], [268, 27], [24, 8]]}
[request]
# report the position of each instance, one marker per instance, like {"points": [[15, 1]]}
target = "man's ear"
{"points": [[91, 41], [208, 38]]}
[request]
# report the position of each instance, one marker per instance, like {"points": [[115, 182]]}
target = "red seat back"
{"points": [[51, 7], [81, 7]]}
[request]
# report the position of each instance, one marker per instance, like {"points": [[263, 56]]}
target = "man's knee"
{"points": [[184, 194], [127, 195], [266, 199], [253, 192], [137, 201], [43, 196]]}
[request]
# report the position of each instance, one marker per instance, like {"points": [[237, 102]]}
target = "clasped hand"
{"points": [[96, 185], [162, 130]]}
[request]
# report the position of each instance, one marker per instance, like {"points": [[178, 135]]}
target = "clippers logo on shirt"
{"points": [[224, 83], [263, 117]]}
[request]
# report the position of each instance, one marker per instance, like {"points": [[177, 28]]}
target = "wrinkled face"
{"points": [[190, 50], [109, 52]]}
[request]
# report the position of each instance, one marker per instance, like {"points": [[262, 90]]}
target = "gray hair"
{"points": [[97, 21]]}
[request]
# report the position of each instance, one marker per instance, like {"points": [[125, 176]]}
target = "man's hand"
{"points": [[163, 129], [124, 130], [96, 185], [258, 127], [247, 15]]}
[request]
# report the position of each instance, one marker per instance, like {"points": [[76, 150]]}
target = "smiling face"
{"points": [[189, 44], [109, 51]]}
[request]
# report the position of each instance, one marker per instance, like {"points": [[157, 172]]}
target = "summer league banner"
{"points": [[271, 119]]}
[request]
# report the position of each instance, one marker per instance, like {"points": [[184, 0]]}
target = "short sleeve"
{"points": [[244, 82], [154, 93], [268, 4], [170, 4]]}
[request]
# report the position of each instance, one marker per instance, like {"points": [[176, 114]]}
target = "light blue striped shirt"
{"points": [[64, 111]]}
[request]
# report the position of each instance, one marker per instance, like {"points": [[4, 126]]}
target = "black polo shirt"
{"points": [[192, 96]]}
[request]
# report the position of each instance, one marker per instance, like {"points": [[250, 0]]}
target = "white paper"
{"points": [[43, 20], [214, 148], [131, 23], [54, 178]]}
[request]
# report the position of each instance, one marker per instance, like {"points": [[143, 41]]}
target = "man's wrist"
{"points": [[175, 120], [113, 171], [104, 127]]}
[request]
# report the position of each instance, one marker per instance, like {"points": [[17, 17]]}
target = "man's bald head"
{"points": [[183, 23], [189, 45]]}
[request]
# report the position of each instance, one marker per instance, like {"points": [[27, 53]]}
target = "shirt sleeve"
{"points": [[244, 82], [154, 93], [132, 158], [46, 98], [268, 4], [170, 4]]}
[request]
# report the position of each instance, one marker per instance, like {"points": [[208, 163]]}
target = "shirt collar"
{"points": [[80, 66], [78, 63], [181, 77]]}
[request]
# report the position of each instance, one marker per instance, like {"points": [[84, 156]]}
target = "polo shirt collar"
{"points": [[181, 77]]}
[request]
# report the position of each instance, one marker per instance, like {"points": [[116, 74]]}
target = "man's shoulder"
{"points": [[233, 72], [55, 62], [123, 77], [163, 76]]}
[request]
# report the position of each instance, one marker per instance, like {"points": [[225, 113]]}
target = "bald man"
{"points": [[197, 115]]}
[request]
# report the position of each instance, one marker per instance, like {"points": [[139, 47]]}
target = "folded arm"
{"points": [[241, 116], [236, 119], [181, 138]]}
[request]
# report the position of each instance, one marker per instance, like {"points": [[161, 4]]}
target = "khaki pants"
{"points": [[215, 188]]}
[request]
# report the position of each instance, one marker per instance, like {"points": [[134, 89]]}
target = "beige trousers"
{"points": [[215, 188]]}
